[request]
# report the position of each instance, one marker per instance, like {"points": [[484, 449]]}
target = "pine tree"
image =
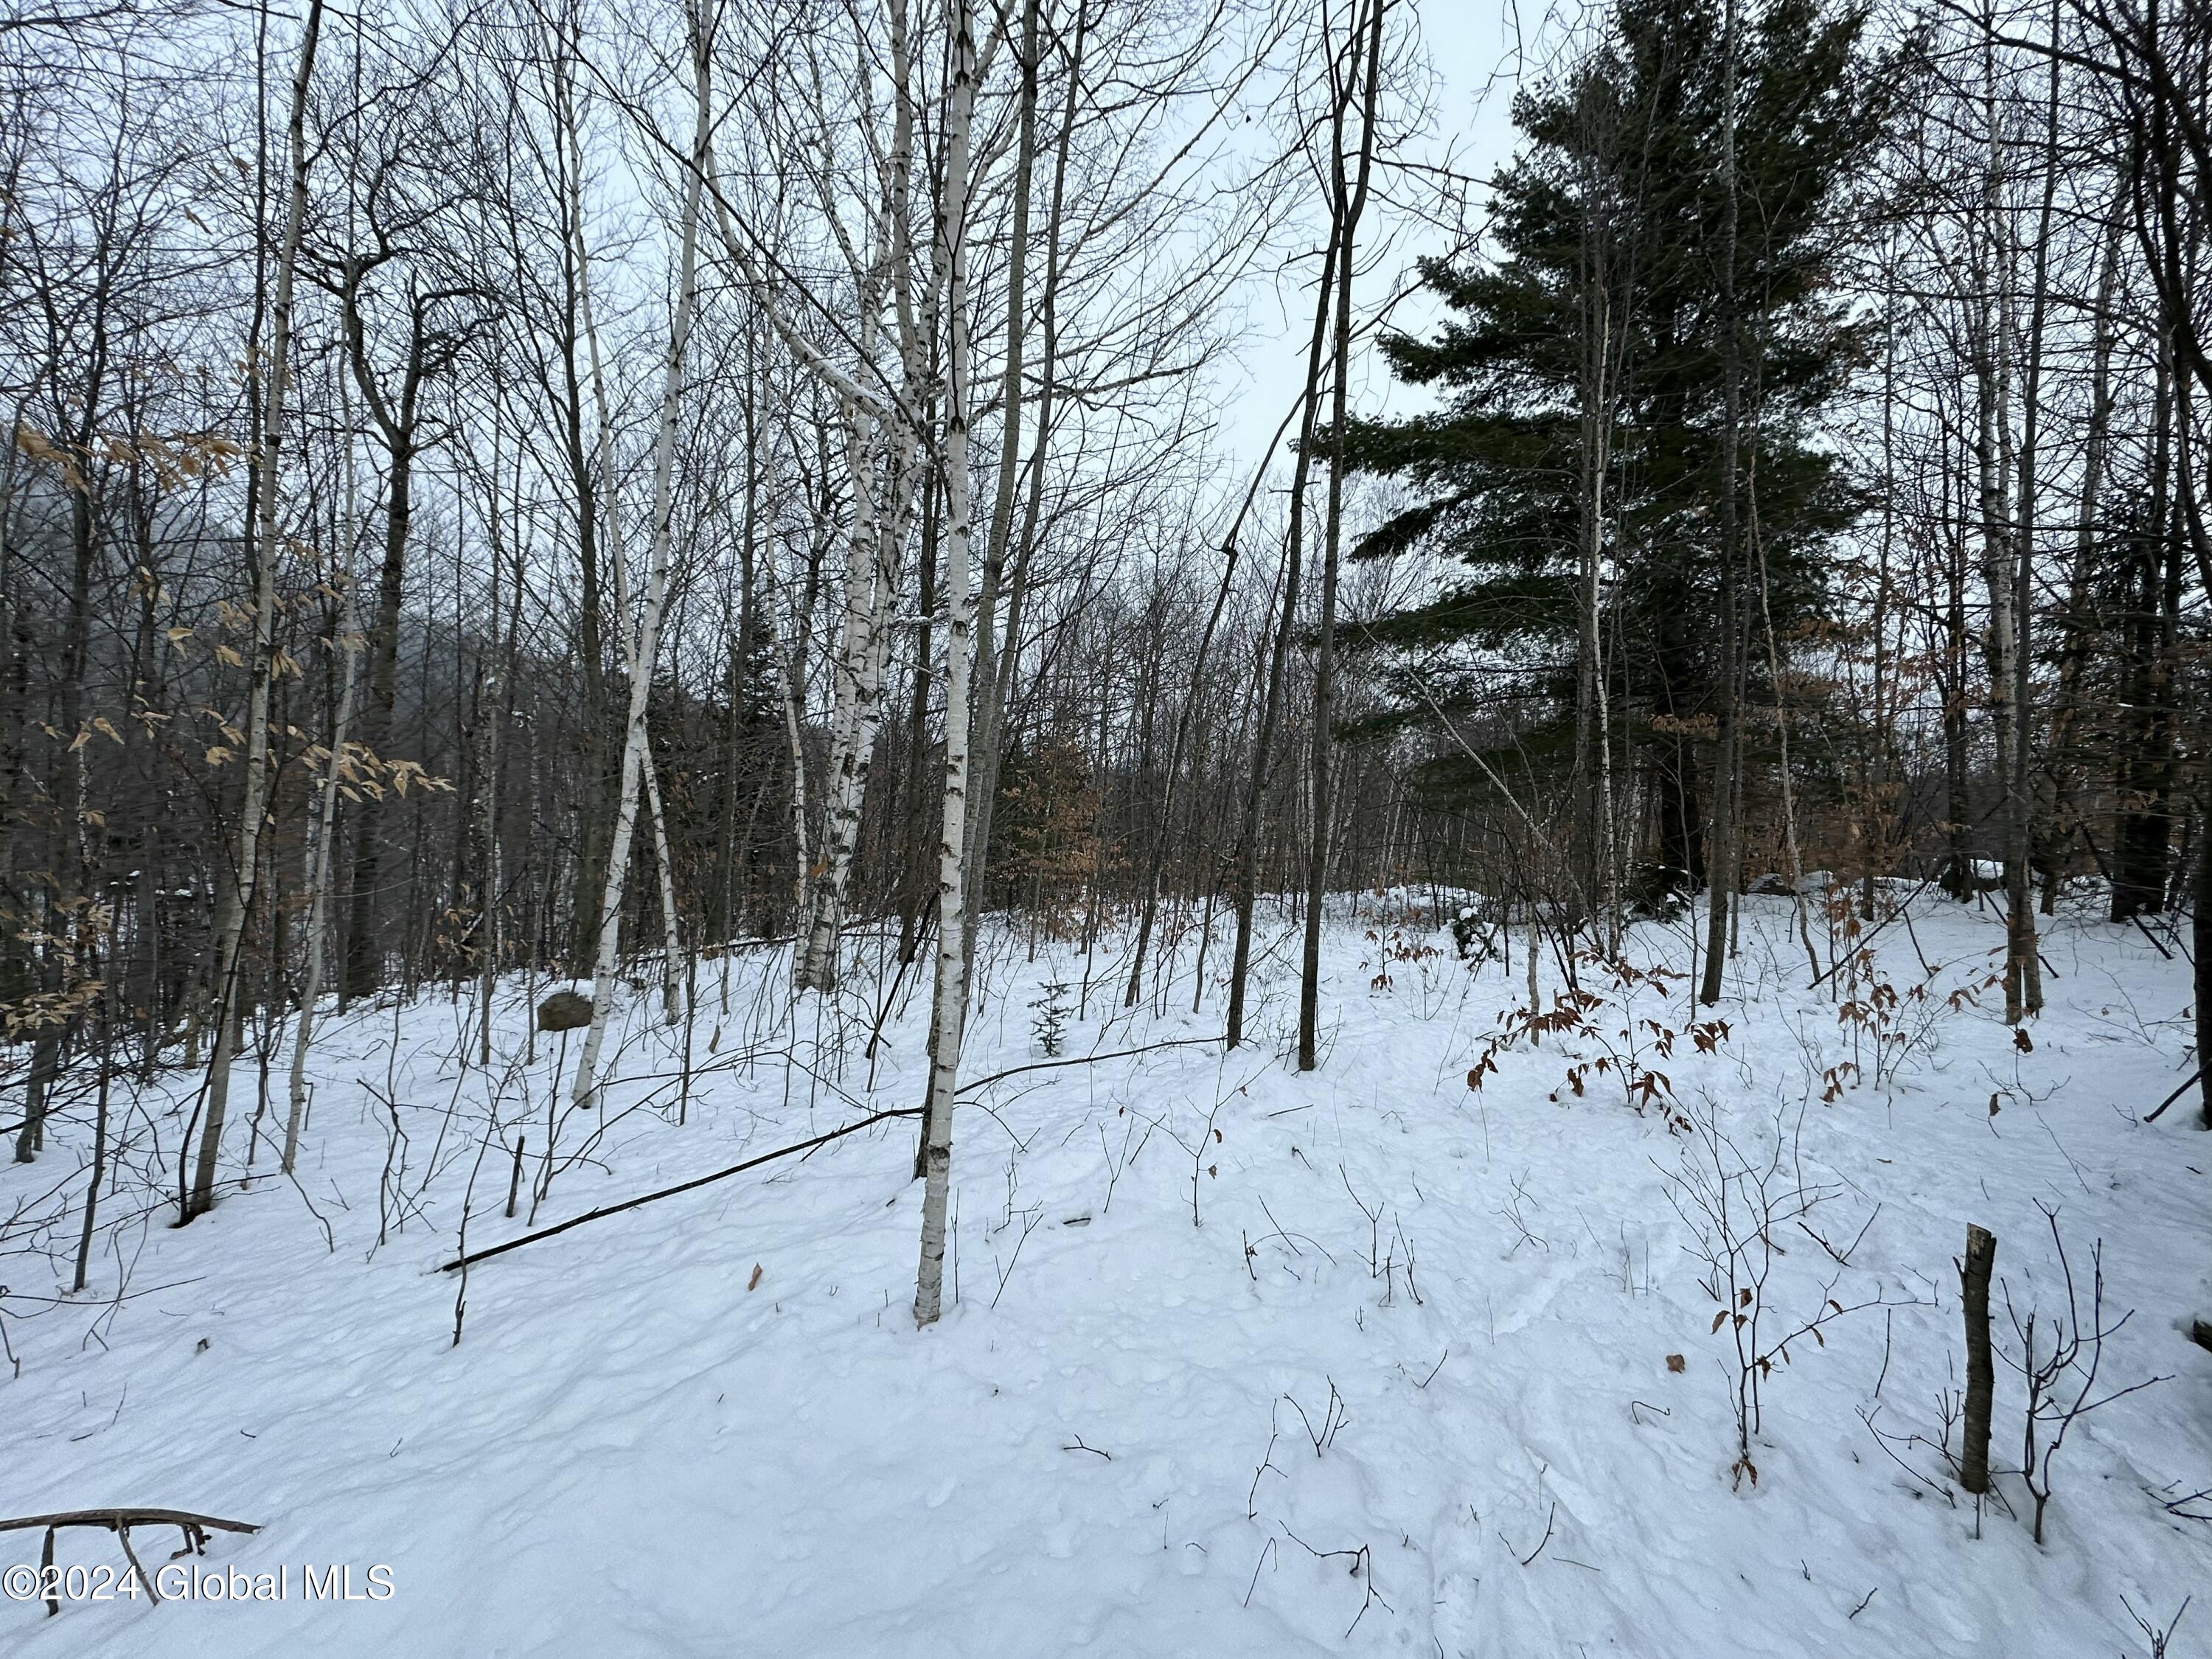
{"points": [[1577, 463]]}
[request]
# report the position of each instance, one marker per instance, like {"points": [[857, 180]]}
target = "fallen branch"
{"points": [[1086, 1060], [807, 1146], [2175, 1095], [485, 1254], [119, 1522], [112, 1519]]}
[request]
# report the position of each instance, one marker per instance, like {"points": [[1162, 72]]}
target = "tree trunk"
{"points": [[882, 509], [671, 934], [996, 660], [1981, 1376], [320, 860], [1722, 852], [2200, 941], [1346, 210], [646, 648], [1993, 459], [230, 932], [1243, 878], [397, 423], [949, 1005]]}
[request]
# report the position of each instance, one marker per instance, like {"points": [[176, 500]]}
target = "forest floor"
{"points": [[1241, 1361]]}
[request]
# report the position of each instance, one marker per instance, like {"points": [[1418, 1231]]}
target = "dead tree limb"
{"points": [[112, 1519], [194, 1527], [2176, 1095], [681, 1187], [1088, 1059]]}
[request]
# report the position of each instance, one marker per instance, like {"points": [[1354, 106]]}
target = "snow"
{"points": [[1109, 1444]]}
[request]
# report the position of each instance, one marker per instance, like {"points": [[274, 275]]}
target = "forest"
{"points": [[1559, 655]]}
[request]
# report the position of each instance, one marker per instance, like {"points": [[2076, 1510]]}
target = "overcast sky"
{"points": [[1470, 48]]}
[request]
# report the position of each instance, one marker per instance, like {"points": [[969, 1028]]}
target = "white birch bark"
{"points": [[647, 645], [882, 511], [864, 597], [864, 654], [238, 900], [618, 565], [948, 1006]]}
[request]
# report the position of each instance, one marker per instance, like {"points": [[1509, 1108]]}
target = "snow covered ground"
{"points": [[1243, 1361]]}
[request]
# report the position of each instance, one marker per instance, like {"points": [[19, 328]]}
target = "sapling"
{"points": [[2059, 1357], [1733, 1205], [1049, 1029]]}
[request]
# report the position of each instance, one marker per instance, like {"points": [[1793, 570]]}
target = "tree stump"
{"points": [[1981, 1377]]}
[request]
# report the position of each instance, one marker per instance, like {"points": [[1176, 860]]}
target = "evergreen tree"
{"points": [[1576, 466]]}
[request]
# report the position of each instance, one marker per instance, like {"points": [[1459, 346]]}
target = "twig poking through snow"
{"points": [[1541, 1543], [1256, 1566], [2158, 1638]]}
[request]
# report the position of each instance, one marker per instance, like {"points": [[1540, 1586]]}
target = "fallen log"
{"points": [[194, 1527]]}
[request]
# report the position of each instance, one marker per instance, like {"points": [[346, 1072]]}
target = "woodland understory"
{"points": [[570, 574]]}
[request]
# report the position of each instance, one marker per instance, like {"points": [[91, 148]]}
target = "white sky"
{"points": [[1470, 48]]}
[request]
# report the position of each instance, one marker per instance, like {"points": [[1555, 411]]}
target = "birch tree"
{"points": [[949, 1000], [644, 648], [230, 928]]}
